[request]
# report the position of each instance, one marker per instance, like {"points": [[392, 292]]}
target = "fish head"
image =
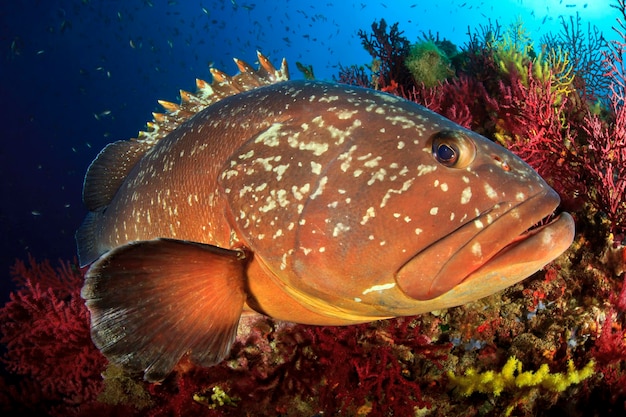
{"points": [[492, 226], [362, 204]]}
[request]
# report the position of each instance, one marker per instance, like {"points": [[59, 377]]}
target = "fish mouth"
{"points": [[495, 250]]}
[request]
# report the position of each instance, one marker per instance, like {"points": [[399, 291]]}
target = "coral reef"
{"points": [[566, 324]]}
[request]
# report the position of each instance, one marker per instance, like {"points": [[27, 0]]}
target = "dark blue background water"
{"points": [[76, 75]]}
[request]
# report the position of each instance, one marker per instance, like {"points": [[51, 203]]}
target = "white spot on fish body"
{"points": [[425, 169], [280, 170], [370, 213], [479, 224], [379, 287], [418, 231], [520, 196], [316, 168], [400, 145], [244, 190], [247, 155], [378, 175], [270, 205], [318, 120], [434, 211], [372, 163], [270, 137], [491, 193], [318, 148], [466, 195], [328, 99], [405, 186], [477, 250], [320, 188], [298, 193], [346, 157], [346, 114], [339, 228]]}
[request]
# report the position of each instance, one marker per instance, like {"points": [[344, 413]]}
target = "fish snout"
{"points": [[504, 249]]}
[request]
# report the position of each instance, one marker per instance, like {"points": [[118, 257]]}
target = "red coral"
{"points": [[463, 100], [610, 347], [532, 114], [605, 164], [376, 366], [610, 353], [354, 75], [45, 328], [389, 50]]}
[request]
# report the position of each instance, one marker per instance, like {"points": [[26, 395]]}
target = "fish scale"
{"points": [[306, 201]]}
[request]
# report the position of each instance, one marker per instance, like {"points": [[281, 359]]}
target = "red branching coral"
{"points": [[45, 328], [389, 50], [461, 100], [376, 366], [354, 75], [605, 164], [610, 353], [532, 115]]}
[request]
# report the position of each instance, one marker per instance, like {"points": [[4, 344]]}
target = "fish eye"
{"points": [[453, 149]]}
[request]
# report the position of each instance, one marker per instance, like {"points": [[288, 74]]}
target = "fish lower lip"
{"points": [[473, 248]]}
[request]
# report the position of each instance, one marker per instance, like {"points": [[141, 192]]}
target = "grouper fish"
{"points": [[306, 201]]}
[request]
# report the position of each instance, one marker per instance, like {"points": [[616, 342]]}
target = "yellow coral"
{"points": [[515, 53], [512, 378], [218, 398]]}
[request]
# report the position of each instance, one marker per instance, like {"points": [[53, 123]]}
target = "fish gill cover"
{"points": [[553, 344]]}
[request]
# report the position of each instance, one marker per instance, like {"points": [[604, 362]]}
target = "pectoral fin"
{"points": [[152, 302]]}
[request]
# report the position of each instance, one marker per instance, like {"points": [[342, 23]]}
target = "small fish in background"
{"points": [[307, 201]]}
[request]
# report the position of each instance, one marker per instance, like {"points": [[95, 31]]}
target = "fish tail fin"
{"points": [[86, 239], [152, 302]]}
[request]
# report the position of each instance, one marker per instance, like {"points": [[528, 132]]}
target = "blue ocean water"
{"points": [[76, 75]]}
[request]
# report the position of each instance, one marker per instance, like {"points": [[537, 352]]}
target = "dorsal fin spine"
{"points": [[100, 188]]}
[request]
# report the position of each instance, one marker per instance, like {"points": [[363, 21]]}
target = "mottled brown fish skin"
{"points": [[336, 190]]}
